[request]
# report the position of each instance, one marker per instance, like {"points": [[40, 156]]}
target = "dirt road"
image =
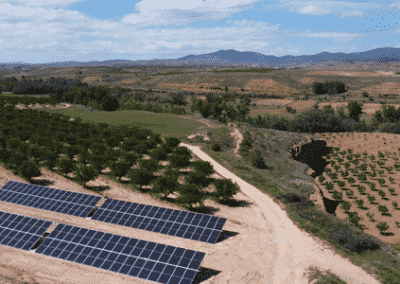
{"points": [[285, 251]]}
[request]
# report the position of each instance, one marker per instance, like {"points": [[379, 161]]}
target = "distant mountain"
{"points": [[236, 58]]}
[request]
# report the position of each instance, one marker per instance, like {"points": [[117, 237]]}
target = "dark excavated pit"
{"points": [[312, 153]]}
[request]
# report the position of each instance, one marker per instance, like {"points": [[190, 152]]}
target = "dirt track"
{"points": [[285, 251]]}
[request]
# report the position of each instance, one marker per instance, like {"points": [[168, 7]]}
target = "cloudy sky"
{"points": [[43, 31]]}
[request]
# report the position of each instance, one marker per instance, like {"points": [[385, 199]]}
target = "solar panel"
{"points": [[138, 258], [19, 231], [178, 223], [51, 199]]}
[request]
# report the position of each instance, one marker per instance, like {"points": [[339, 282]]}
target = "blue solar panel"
{"points": [[19, 231], [51, 199], [178, 223], [138, 258]]}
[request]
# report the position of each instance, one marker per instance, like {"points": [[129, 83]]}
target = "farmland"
{"points": [[282, 88]]}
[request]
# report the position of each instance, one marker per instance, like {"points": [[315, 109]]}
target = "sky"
{"points": [[46, 31]]}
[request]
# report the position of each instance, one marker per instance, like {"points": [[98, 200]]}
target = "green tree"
{"points": [[172, 142], [98, 162], [180, 158], [355, 110], [28, 169], [361, 189], [37, 153], [382, 226], [394, 203], [120, 169], [337, 195], [159, 154], [167, 183], [85, 174], [199, 178], [257, 160], [225, 189], [191, 194], [203, 167], [51, 160], [66, 165]]}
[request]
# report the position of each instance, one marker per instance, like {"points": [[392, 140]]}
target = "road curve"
{"points": [[297, 250]]}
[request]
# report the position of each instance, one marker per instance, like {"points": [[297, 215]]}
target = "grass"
{"points": [[168, 124]]}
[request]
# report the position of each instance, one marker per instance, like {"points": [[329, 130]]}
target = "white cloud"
{"points": [[54, 3]]}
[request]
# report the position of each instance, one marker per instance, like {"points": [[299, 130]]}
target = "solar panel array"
{"points": [[51, 199], [19, 231], [137, 258], [178, 223]]}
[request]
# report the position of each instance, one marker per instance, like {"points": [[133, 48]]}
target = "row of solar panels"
{"points": [[178, 223], [137, 258]]}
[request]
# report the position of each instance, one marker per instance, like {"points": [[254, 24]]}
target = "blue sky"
{"points": [[43, 31]]}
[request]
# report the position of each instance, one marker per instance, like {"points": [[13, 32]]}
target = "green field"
{"points": [[159, 123]]}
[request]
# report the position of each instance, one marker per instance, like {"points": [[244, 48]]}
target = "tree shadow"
{"points": [[204, 209], [96, 188], [226, 235], [235, 203], [204, 274], [42, 182], [387, 234]]}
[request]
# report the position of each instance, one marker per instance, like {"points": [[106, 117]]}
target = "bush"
{"points": [[178, 99], [389, 127], [178, 110], [216, 147], [257, 160], [139, 97]]}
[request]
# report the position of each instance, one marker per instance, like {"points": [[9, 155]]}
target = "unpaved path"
{"points": [[285, 252], [238, 136]]}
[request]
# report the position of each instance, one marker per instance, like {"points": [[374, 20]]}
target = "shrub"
{"points": [[361, 189], [382, 194], [371, 217], [216, 147], [371, 199], [349, 193], [337, 195], [394, 203], [341, 183], [392, 191], [382, 227], [321, 179], [351, 180], [383, 209], [329, 186], [346, 206], [257, 160]]}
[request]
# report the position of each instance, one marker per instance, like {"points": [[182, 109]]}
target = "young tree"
{"points": [[346, 206], [192, 194], [383, 209], [360, 203], [36, 152], [371, 199], [382, 226], [225, 189], [382, 194], [172, 142]]}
